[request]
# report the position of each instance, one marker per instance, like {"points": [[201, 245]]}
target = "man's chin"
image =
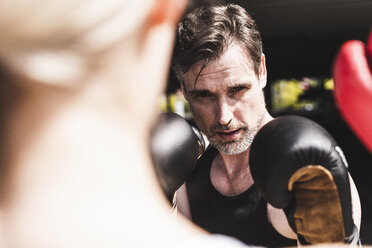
{"points": [[231, 148], [231, 151]]}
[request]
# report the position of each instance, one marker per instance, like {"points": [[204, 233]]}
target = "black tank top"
{"points": [[243, 216]]}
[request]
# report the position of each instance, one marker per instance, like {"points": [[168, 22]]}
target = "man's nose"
{"points": [[225, 113]]}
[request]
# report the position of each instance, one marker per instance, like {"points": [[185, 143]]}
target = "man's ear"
{"points": [[164, 11], [263, 74], [184, 92]]}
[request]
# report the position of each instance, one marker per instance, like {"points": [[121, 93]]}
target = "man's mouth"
{"points": [[228, 135]]}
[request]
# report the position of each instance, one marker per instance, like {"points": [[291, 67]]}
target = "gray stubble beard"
{"points": [[237, 147]]}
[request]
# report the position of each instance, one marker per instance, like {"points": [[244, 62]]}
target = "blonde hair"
{"points": [[52, 41]]}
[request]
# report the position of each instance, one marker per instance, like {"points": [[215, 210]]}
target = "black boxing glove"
{"points": [[175, 146], [297, 166]]}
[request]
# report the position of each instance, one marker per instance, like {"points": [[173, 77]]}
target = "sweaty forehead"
{"points": [[233, 65]]}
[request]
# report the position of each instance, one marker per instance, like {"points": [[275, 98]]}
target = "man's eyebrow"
{"points": [[241, 84], [194, 92]]}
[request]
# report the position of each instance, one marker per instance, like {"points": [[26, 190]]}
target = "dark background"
{"points": [[301, 39]]}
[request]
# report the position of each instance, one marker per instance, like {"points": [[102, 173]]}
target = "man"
{"points": [[79, 83], [222, 70]]}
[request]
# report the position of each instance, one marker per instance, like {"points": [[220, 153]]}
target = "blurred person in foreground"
{"points": [[79, 82]]}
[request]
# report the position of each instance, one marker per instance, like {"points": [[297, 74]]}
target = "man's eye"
{"points": [[201, 95], [237, 89]]}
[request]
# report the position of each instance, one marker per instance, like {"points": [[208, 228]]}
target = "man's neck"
{"points": [[234, 164], [230, 174]]}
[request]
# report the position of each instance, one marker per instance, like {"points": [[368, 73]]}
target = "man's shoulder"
{"points": [[208, 155], [203, 165], [198, 184]]}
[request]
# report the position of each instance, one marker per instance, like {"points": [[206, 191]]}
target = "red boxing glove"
{"points": [[352, 75]]}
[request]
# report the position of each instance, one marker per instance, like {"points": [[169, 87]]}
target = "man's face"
{"points": [[227, 101]]}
